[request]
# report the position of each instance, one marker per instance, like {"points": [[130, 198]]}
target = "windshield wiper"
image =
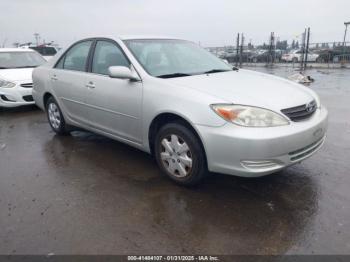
{"points": [[173, 75], [2, 67], [24, 66], [216, 71]]}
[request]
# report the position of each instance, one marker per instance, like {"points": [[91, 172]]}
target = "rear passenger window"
{"points": [[76, 57], [107, 54]]}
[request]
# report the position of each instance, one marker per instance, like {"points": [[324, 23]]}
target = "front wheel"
{"points": [[180, 155], [55, 117]]}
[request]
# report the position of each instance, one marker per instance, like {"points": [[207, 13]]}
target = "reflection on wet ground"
{"points": [[86, 194]]}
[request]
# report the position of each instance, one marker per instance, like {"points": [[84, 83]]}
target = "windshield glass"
{"points": [[20, 60], [174, 58]]}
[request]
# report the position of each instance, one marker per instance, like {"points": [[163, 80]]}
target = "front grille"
{"points": [[27, 85], [28, 98], [304, 152], [302, 112]]}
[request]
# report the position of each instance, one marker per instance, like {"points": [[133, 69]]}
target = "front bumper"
{"points": [[253, 152], [16, 96]]}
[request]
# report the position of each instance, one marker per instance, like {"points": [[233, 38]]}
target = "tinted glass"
{"points": [[76, 58], [162, 57], [49, 51], [20, 59], [107, 54], [45, 50], [60, 63]]}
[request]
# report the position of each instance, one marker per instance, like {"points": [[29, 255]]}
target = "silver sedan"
{"points": [[176, 101]]}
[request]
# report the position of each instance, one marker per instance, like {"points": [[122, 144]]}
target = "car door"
{"points": [[68, 81], [114, 105]]}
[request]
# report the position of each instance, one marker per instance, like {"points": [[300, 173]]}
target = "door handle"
{"points": [[54, 78], [90, 85]]}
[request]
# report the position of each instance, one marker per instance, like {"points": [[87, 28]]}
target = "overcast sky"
{"points": [[212, 23]]}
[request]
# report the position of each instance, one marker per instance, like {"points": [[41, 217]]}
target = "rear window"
{"points": [[76, 57], [45, 50]]}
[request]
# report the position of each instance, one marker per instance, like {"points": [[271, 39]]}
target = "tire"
{"points": [[55, 117], [185, 167]]}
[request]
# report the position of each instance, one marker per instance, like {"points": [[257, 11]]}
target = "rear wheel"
{"points": [[55, 117], [180, 155]]}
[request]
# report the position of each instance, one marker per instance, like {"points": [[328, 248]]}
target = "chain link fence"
{"points": [[330, 53]]}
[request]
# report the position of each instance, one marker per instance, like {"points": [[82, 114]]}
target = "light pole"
{"points": [[346, 29], [37, 38]]}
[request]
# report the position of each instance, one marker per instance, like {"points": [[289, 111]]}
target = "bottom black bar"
{"points": [[180, 258]]}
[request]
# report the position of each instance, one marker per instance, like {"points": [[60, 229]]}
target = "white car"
{"points": [[295, 56], [46, 51], [16, 66]]}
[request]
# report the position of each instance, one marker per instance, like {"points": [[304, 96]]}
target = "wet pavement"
{"points": [[86, 194]]}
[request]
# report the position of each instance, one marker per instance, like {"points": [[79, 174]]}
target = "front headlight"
{"points": [[6, 84], [249, 116]]}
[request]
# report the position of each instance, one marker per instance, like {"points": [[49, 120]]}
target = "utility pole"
{"points": [[346, 29], [307, 47], [237, 50], [241, 51], [4, 43], [270, 57], [37, 38], [302, 51]]}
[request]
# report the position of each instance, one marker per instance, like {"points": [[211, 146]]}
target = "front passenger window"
{"points": [[107, 54]]}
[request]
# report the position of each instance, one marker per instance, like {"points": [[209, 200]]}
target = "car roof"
{"points": [[132, 37], [16, 50], [139, 37]]}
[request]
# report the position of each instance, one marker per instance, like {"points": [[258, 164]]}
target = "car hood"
{"points": [[16, 74], [247, 87]]}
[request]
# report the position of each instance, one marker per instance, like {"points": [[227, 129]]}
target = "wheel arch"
{"points": [[168, 117], [46, 97]]}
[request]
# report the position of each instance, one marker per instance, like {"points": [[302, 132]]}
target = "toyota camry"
{"points": [[192, 111]]}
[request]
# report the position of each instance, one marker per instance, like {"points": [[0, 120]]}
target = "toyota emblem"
{"points": [[309, 107]]}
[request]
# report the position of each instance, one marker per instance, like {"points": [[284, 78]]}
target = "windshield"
{"points": [[20, 60], [174, 58]]}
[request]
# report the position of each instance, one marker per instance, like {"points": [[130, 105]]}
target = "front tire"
{"points": [[180, 155], [55, 117]]}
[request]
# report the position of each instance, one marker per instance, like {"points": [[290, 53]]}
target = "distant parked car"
{"points": [[46, 51], [16, 66], [234, 58], [266, 56], [328, 55], [341, 58], [188, 108], [296, 56]]}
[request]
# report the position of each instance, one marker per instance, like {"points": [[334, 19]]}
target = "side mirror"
{"points": [[122, 72]]}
